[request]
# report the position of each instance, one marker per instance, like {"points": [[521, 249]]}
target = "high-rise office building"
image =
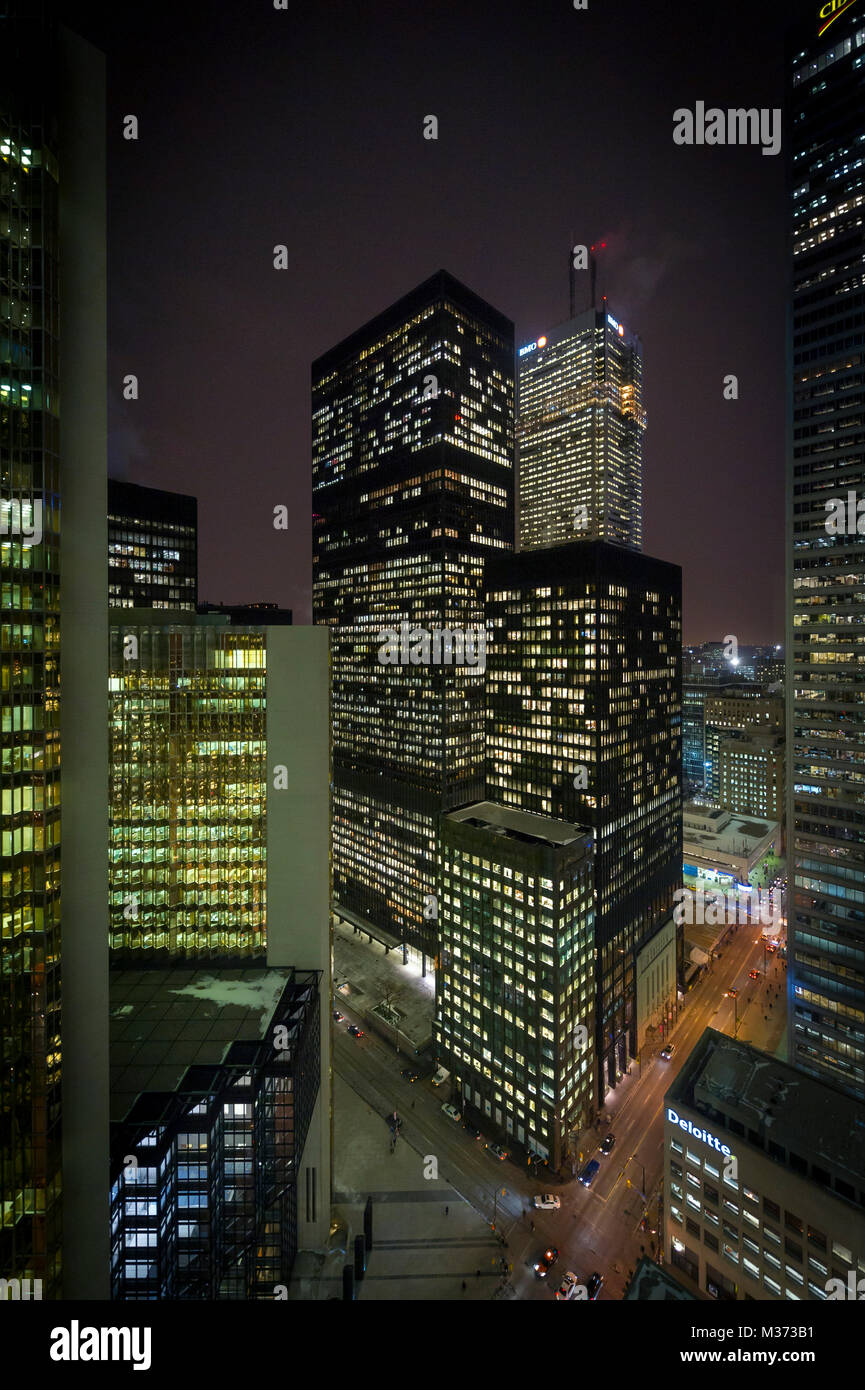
{"points": [[696, 689], [751, 774], [219, 859], [584, 725], [742, 708], [515, 994], [826, 572], [52, 652], [580, 422], [412, 438], [152, 547]]}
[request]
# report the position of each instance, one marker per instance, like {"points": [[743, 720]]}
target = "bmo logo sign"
{"points": [[697, 1133]]}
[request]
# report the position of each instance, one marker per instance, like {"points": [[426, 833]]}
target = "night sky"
{"points": [[304, 127]]}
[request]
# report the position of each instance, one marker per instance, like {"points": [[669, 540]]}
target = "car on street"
{"points": [[452, 1112], [545, 1262], [753, 974], [549, 1202], [594, 1286], [409, 1074], [472, 1131], [355, 1031], [608, 1143], [338, 1017], [497, 1151], [568, 1287], [534, 1157], [590, 1172], [667, 1052], [732, 993]]}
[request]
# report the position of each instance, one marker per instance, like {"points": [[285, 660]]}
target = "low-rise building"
{"points": [[764, 1177]]}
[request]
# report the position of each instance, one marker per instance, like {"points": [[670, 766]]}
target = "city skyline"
{"points": [[499, 199]]}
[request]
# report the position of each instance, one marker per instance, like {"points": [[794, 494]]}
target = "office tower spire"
{"points": [[580, 423]]}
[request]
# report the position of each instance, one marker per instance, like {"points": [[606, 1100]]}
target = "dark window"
{"points": [[820, 1175], [709, 1239], [771, 1209], [793, 1249], [776, 1150], [793, 1223], [799, 1165], [844, 1189], [693, 1226], [711, 1192], [816, 1238]]}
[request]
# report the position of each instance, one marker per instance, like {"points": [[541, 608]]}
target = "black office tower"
{"points": [[412, 440], [826, 549], [152, 547], [584, 725]]}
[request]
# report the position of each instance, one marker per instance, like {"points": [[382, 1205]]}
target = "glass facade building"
{"points": [[515, 1005], [580, 425], [584, 724], [826, 572], [412, 440], [205, 1156], [188, 770], [30, 1139], [152, 547]]}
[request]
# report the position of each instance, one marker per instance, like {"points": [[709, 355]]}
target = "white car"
{"points": [[569, 1285], [452, 1112], [547, 1203]]}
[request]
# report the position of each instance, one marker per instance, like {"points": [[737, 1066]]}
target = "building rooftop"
{"points": [[720, 831], [775, 1104], [164, 1021], [518, 825]]}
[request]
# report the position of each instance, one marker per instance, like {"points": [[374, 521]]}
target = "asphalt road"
{"points": [[596, 1228]]}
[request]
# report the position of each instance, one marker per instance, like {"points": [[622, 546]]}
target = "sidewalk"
{"points": [[419, 1252]]}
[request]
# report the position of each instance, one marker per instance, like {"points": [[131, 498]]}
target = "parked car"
{"points": [[590, 1172], [594, 1286], [338, 1017], [472, 1131], [545, 1262], [534, 1157], [549, 1202], [440, 1077], [568, 1287], [667, 1052], [608, 1143], [497, 1151], [355, 1031], [452, 1112], [409, 1074]]}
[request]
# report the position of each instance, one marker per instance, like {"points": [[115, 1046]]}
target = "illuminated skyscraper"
{"points": [[152, 547], [219, 859], [826, 572], [580, 423], [515, 994], [412, 438], [584, 725]]}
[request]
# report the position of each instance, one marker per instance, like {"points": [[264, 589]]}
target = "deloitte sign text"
{"points": [[698, 1133]]}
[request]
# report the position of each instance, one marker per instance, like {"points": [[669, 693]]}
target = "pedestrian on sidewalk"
{"points": [[532, 1227], [464, 1286], [447, 1209]]}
